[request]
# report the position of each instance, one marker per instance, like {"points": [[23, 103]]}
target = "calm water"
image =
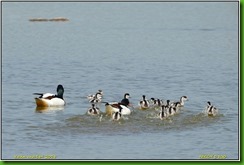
{"points": [[162, 50]]}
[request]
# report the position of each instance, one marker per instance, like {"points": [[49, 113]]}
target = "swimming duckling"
{"points": [[144, 104], [168, 103], [93, 110], [208, 104], [182, 101], [96, 98], [163, 114], [152, 101], [156, 102], [211, 110], [171, 111], [117, 115], [159, 102]]}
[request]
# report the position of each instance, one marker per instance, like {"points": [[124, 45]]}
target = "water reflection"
{"points": [[48, 109]]}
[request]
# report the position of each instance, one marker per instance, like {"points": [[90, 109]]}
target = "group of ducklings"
{"points": [[117, 109]]}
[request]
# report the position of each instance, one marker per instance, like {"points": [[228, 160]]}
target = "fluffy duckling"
{"points": [[172, 108], [96, 98], [159, 102], [93, 110], [156, 102], [171, 111], [211, 110], [152, 101], [181, 102], [163, 113], [168, 103], [117, 115], [144, 104]]}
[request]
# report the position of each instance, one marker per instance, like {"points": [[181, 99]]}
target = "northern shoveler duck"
{"points": [[144, 104], [93, 110], [50, 100]]}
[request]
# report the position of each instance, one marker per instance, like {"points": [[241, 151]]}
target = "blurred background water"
{"points": [[160, 49]]}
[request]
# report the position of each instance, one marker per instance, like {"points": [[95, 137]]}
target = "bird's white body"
{"points": [[114, 107], [49, 99]]}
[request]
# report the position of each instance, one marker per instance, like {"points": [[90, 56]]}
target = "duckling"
{"points": [[208, 104], [171, 111], [96, 98], [93, 110], [182, 101], [159, 102], [163, 114], [156, 102], [176, 107], [168, 103], [211, 110], [117, 115], [144, 104], [152, 101]]}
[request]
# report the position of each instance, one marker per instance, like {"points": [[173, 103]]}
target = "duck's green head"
{"points": [[60, 91]]}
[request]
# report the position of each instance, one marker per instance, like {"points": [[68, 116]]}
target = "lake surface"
{"points": [[161, 49]]}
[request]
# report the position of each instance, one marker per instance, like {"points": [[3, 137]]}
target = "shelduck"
{"points": [[125, 101], [111, 108], [49, 99]]}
